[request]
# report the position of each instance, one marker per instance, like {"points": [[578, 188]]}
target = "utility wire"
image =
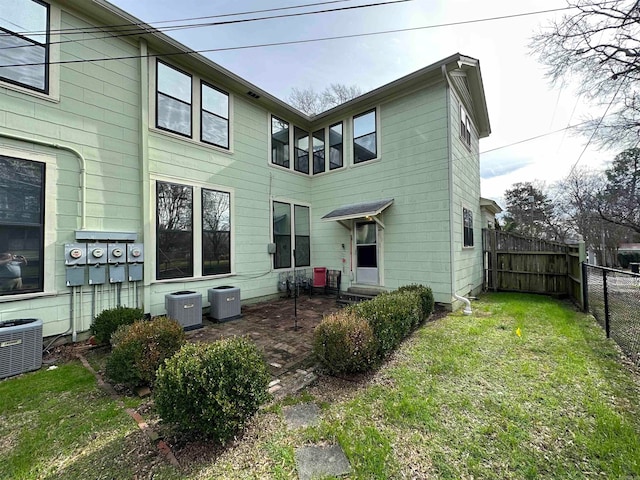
{"points": [[136, 31], [291, 42], [151, 24]]}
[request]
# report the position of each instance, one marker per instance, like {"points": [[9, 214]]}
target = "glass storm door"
{"points": [[367, 253]]}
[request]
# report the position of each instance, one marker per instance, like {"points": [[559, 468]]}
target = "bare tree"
{"points": [[599, 44], [312, 102], [620, 199]]}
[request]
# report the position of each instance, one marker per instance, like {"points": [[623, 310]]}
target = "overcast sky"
{"points": [[521, 103]]}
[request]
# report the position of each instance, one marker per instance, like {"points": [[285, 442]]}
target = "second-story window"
{"points": [[318, 151], [335, 146], [465, 127], [279, 142], [24, 44], [301, 143], [173, 101], [215, 116], [467, 219], [364, 137]]}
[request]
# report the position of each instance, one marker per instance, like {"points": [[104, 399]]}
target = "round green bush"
{"points": [[344, 343], [426, 298], [211, 390], [140, 348], [108, 321]]}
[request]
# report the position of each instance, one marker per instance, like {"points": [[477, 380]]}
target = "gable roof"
{"points": [[109, 14]]}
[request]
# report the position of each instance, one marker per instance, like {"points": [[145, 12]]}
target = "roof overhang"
{"points": [[354, 211], [490, 205]]}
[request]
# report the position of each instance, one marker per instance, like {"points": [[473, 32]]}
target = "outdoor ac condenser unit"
{"points": [[185, 307], [225, 303], [20, 346]]}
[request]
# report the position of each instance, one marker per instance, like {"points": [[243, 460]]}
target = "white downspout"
{"points": [[83, 169], [83, 203], [467, 309]]}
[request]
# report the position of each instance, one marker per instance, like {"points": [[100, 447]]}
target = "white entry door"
{"points": [[367, 253]]}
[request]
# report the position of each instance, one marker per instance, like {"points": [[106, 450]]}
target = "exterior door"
{"points": [[367, 253]]}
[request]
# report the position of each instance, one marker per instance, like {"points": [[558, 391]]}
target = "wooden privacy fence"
{"points": [[514, 263]]}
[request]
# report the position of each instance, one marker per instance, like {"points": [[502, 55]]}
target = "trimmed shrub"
{"points": [[391, 317], [108, 321], [140, 348], [344, 343], [426, 299], [211, 390]]}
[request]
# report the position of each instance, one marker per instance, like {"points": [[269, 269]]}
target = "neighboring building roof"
{"points": [[359, 210], [629, 247], [490, 205], [171, 48]]}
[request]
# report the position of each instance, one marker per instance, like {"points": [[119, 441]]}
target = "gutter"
{"points": [[467, 310]]}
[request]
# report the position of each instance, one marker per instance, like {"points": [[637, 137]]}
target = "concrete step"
{"points": [[366, 290]]}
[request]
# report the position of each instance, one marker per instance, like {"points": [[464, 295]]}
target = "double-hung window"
{"points": [[465, 127], [301, 143], [467, 218], [318, 151], [22, 191], [24, 43], [364, 137], [291, 234], [214, 119], [173, 100], [279, 142], [335, 146]]}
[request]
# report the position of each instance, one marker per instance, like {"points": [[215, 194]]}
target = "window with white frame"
{"points": [[173, 99], [214, 116], [180, 209], [467, 218], [24, 44], [465, 127], [22, 187], [177, 107], [291, 234], [364, 137]]}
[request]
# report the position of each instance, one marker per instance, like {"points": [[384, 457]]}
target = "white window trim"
{"points": [[196, 109], [292, 204], [352, 139], [468, 125], [50, 237], [196, 228], [292, 150], [54, 61]]}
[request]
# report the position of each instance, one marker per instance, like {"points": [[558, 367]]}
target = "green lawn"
{"points": [[464, 397]]}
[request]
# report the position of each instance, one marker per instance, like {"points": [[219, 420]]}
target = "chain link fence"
{"points": [[613, 298]]}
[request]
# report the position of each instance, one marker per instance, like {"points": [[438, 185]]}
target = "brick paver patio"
{"points": [[271, 325]]}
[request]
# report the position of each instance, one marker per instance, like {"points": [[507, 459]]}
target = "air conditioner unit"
{"points": [[20, 346], [185, 307], [225, 303]]}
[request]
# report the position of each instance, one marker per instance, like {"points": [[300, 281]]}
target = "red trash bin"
{"points": [[320, 277]]}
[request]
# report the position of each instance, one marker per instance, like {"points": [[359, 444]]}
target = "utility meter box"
{"points": [[135, 253], [97, 274], [117, 273], [116, 253], [135, 272], [97, 253], [75, 254]]}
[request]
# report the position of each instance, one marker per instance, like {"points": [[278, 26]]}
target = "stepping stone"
{"points": [[320, 462], [301, 415]]}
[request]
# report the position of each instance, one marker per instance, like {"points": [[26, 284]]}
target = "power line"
{"points": [[136, 31], [292, 42]]}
